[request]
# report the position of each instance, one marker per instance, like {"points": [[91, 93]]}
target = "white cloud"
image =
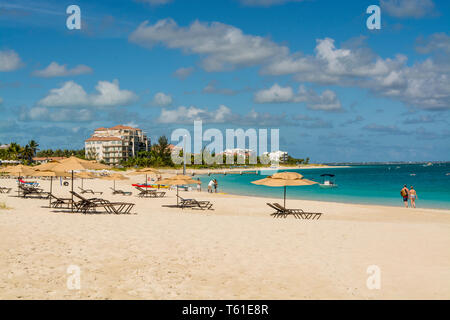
{"points": [[223, 114], [326, 101], [275, 94], [266, 3], [408, 8], [223, 46], [424, 85], [57, 115], [435, 43], [72, 94], [56, 70], [162, 100], [9, 61], [184, 114], [212, 88], [183, 73]]}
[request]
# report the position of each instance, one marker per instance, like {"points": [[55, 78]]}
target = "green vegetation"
{"points": [[17, 152], [61, 153]]}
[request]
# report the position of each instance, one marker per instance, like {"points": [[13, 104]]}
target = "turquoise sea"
{"points": [[365, 184]]}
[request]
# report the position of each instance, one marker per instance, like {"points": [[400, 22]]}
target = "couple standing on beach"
{"points": [[409, 194], [213, 183]]}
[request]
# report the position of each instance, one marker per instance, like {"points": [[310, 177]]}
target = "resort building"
{"points": [[277, 156], [116, 144]]}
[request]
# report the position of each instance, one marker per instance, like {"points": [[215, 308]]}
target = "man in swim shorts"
{"points": [[404, 193]]}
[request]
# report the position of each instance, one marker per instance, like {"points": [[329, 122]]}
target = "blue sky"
{"points": [[336, 90]]}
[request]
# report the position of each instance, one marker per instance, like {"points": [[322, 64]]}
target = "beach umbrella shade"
{"points": [[179, 180], [144, 171], [76, 164], [18, 171], [50, 174], [284, 179], [46, 166], [85, 175], [114, 177]]}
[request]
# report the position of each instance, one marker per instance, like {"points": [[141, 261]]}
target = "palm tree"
{"points": [[34, 146], [14, 151], [27, 153]]}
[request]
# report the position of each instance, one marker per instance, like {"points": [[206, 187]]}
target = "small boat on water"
{"points": [[429, 164], [412, 174], [328, 181]]}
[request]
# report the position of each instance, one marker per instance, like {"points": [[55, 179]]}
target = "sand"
{"points": [[237, 251]]}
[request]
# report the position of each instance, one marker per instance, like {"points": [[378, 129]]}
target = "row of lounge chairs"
{"points": [[92, 205], [194, 204], [282, 212], [150, 193], [28, 191]]}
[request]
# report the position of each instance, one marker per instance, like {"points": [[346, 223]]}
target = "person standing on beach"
{"points": [[413, 196], [199, 185], [216, 185], [210, 185], [404, 193]]}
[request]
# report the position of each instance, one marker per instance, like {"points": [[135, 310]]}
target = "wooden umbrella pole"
{"points": [[51, 189], [285, 196], [71, 204]]}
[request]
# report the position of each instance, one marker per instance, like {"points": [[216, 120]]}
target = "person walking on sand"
{"points": [[404, 193], [413, 196], [210, 185]]}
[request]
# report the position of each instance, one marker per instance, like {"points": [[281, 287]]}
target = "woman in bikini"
{"points": [[413, 196]]}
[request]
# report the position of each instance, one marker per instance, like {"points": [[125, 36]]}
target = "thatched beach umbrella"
{"points": [[144, 171], [75, 164], [284, 179], [114, 177], [85, 175], [50, 174], [179, 180], [18, 171]]}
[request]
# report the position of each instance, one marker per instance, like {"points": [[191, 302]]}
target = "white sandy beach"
{"points": [[237, 251]]}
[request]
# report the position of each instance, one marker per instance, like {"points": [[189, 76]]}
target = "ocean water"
{"points": [[374, 184]]}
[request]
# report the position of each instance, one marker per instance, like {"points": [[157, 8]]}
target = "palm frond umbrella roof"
{"points": [[178, 180], [19, 170], [285, 179], [114, 176], [144, 171], [85, 175]]}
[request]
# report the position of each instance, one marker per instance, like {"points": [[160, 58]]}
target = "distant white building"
{"points": [[115, 144], [238, 152], [277, 156], [4, 146]]}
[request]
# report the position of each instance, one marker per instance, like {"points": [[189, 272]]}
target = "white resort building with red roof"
{"points": [[115, 144]]}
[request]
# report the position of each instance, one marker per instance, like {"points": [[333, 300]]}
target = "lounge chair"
{"points": [[194, 204], [5, 190], [149, 193], [90, 205], [62, 202], [29, 183], [83, 191], [32, 192], [123, 193], [297, 213]]}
